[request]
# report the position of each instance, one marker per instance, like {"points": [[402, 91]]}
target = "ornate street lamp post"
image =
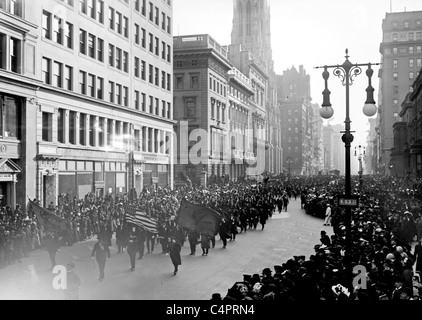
{"points": [[347, 71]]}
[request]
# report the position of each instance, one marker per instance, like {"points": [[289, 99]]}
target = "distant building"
{"points": [[201, 100], [401, 50], [298, 121], [252, 32]]}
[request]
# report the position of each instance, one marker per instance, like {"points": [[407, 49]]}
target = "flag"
{"points": [[49, 220], [199, 218], [141, 219]]}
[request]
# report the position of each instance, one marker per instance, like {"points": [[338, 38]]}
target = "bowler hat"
{"points": [[267, 271], [278, 269]]}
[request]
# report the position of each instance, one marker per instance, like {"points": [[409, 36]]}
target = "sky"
{"points": [[309, 33]]}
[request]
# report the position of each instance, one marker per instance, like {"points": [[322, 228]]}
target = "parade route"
{"points": [[285, 235]]}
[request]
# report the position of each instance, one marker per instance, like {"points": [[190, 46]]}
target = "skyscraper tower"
{"points": [[251, 29]]}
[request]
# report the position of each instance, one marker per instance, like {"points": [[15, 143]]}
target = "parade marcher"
{"points": [[132, 248], [121, 237], [73, 282], [205, 244], [233, 228], [327, 220], [285, 201], [263, 218], [243, 221], [213, 241], [279, 202], [150, 237], [52, 245], [176, 259], [101, 252], [302, 200], [141, 242], [193, 237]]}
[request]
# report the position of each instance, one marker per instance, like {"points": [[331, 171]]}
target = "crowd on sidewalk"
{"points": [[244, 205], [386, 245]]}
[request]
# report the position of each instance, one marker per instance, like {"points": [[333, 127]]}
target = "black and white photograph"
{"points": [[229, 152]]}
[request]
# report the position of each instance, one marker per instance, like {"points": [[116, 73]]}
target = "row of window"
{"points": [[409, 36], [102, 132], [238, 114], [154, 43], [396, 90], [217, 86], [92, 8], [10, 52], [91, 45], [412, 75], [406, 24], [118, 58], [12, 6], [118, 22], [56, 29], [154, 74], [154, 14], [218, 110], [411, 63], [238, 94], [403, 50], [180, 79], [155, 106]]}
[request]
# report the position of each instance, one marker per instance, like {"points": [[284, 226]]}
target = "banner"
{"points": [[49, 220], [195, 217], [140, 219]]}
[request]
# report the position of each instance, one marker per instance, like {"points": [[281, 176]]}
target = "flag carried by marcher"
{"points": [[49, 220], [141, 219], [199, 218]]}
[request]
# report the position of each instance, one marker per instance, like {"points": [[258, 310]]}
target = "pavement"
{"points": [[285, 235]]}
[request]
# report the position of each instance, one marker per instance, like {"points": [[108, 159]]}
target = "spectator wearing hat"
{"points": [[73, 282], [417, 253], [327, 220], [398, 289], [325, 239]]}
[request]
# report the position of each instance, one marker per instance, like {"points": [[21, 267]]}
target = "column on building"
{"points": [[66, 130], [77, 128], [96, 131]]}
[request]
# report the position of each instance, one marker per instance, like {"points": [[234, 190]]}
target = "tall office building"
{"points": [[401, 51], [86, 92], [252, 30]]}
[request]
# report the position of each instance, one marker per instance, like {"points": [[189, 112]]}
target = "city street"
{"points": [[285, 235]]}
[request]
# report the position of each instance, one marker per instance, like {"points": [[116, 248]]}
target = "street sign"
{"points": [[348, 201]]}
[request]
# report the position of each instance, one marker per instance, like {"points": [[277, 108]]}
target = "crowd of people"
{"points": [[386, 244], [19, 235], [386, 234]]}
